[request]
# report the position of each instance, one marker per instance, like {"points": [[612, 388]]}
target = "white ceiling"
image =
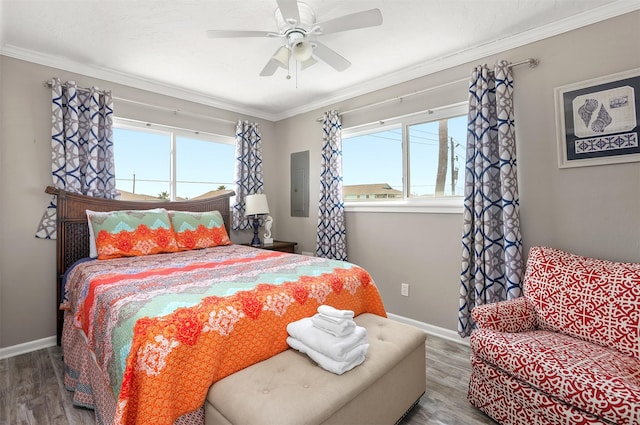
{"points": [[161, 44]]}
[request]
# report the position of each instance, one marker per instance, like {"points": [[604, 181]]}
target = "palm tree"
{"points": [[163, 195]]}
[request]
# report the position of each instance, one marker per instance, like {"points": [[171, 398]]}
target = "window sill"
{"points": [[431, 206]]}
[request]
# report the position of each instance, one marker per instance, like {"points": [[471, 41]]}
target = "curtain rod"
{"points": [[175, 111], [150, 105], [48, 85], [532, 62]]}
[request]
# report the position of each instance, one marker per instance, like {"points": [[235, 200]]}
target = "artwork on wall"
{"points": [[598, 120]]}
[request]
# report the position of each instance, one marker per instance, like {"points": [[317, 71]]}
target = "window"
{"points": [[410, 161], [155, 161], [372, 165]]}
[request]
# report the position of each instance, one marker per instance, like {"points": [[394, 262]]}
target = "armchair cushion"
{"points": [[588, 376]]}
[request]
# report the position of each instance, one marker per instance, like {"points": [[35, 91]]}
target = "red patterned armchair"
{"points": [[568, 351]]}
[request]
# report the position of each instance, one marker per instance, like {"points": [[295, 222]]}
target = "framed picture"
{"points": [[597, 120]]}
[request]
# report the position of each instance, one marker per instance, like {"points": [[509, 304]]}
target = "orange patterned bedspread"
{"points": [[166, 327]]}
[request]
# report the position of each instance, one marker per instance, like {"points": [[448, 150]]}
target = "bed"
{"points": [[145, 336]]}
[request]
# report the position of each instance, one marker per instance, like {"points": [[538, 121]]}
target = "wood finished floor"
{"points": [[32, 390], [445, 401]]}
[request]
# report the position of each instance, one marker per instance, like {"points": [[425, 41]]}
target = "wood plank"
{"points": [[445, 401]]}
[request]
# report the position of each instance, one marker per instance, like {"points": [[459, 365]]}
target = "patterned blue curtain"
{"points": [[248, 172], [332, 234], [492, 263], [81, 146]]}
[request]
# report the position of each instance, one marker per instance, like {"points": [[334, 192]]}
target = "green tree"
{"points": [[163, 195]]}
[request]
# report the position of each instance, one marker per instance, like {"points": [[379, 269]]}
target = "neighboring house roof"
{"points": [[370, 189], [211, 193], [129, 196]]}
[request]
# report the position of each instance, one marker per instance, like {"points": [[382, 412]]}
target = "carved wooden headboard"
{"points": [[73, 230]]}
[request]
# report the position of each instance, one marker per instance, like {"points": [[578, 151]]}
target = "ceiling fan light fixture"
{"points": [[301, 50], [282, 57]]}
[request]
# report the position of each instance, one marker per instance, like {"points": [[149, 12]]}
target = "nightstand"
{"points": [[281, 246]]}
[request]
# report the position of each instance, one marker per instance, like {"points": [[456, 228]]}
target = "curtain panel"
{"points": [[332, 235], [492, 263], [248, 171], [81, 146]]}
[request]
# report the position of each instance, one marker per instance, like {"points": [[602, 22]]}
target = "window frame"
{"points": [[173, 133], [445, 204]]}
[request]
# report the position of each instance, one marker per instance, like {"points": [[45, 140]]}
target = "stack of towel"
{"points": [[330, 338]]}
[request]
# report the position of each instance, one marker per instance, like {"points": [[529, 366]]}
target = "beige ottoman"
{"points": [[290, 389]]}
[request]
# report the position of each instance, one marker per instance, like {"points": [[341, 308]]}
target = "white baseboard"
{"points": [[430, 329], [27, 347]]}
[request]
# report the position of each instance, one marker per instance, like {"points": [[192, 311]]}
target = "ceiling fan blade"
{"points": [[309, 62], [234, 34], [330, 57], [269, 69], [289, 10], [364, 19]]}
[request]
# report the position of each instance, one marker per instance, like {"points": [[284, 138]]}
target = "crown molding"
{"points": [[127, 79], [602, 13]]}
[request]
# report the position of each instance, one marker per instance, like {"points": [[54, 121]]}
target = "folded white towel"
{"points": [[325, 343], [353, 359], [336, 327], [332, 319], [327, 310]]}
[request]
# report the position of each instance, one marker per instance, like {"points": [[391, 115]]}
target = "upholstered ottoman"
{"points": [[290, 389]]}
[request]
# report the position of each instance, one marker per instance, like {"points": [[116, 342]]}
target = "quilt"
{"points": [[165, 327]]}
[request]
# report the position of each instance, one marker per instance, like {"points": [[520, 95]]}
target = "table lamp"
{"points": [[256, 205]]}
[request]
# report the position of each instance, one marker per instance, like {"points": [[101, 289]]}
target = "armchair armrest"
{"points": [[517, 315]]}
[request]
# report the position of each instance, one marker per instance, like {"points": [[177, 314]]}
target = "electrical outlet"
{"points": [[404, 289]]}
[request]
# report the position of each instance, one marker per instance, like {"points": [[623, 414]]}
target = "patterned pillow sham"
{"points": [[195, 230], [93, 251], [129, 233]]}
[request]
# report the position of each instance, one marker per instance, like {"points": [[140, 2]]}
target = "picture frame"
{"points": [[598, 120]]}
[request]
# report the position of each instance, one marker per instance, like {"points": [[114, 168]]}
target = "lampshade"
{"points": [[256, 204], [301, 50], [282, 57]]}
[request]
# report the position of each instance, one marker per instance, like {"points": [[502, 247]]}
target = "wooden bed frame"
{"points": [[73, 230]]}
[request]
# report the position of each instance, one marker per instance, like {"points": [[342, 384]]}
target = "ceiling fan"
{"points": [[298, 28]]}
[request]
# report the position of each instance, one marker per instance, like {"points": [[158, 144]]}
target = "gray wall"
{"points": [[27, 264], [588, 210]]}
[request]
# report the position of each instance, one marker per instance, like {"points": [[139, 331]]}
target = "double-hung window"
{"points": [[160, 162], [413, 162]]}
